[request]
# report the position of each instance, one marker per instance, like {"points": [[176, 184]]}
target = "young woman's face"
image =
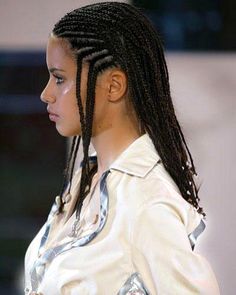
{"points": [[60, 91]]}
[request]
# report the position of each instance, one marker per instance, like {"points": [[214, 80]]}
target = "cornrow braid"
{"points": [[68, 173], [98, 61], [65, 174], [115, 34]]}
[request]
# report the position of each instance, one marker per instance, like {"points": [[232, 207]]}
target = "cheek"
{"points": [[102, 112], [69, 122], [69, 89], [69, 97]]}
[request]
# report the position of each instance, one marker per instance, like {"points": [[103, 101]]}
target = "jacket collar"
{"points": [[138, 159]]}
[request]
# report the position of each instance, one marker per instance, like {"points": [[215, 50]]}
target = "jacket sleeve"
{"points": [[163, 256]]}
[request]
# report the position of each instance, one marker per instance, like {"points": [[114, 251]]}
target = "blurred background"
{"points": [[199, 39]]}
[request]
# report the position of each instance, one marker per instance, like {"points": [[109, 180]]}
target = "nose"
{"points": [[47, 95]]}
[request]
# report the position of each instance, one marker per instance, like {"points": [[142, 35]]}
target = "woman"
{"points": [[127, 220]]}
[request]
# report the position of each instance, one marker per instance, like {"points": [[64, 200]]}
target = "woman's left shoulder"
{"points": [[158, 190]]}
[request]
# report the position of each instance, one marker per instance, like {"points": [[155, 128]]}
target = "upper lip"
{"points": [[51, 113]]}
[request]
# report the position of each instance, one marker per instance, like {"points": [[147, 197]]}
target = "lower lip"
{"points": [[53, 117]]}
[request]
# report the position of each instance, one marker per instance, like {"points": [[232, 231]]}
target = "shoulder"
{"points": [[155, 192], [165, 196]]}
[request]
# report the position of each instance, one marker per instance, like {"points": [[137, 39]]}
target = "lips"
{"points": [[52, 116]]}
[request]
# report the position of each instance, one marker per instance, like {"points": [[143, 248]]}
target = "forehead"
{"points": [[59, 54]]}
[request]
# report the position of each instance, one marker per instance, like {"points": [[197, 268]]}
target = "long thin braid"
{"points": [[117, 34], [66, 172]]}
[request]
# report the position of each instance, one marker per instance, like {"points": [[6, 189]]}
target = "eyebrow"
{"points": [[51, 70]]}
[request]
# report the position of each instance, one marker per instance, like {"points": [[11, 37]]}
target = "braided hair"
{"points": [[115, 34]]}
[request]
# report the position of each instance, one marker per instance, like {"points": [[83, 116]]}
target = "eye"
{"points": [[59, 80]]}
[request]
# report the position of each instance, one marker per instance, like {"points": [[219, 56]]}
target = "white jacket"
{"points": [[145, 245]]}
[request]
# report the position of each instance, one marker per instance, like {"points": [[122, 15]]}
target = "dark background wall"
{"points": [[32, 157], [195, 24]]}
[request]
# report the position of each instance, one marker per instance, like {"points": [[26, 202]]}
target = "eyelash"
{"points": [[59, 80]]}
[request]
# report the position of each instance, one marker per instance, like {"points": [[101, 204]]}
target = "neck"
{"points": [[110, 143]]}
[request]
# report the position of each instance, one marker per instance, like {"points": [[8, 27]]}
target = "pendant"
{"points": [[76, 229]]}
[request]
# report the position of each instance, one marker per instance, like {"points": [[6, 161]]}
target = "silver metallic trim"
{"points": [[195, 234], [38, 269], [134, 286]]}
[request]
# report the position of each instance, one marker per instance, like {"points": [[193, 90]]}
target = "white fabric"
{"points": [[146, 232]]}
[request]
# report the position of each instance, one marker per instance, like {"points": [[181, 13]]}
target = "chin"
{"points": [[68, 133]]}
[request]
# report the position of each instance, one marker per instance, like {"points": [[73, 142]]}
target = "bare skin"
{"points": [[115, 125]]}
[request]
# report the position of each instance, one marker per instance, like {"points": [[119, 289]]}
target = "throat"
{"points": [[109, 146]]}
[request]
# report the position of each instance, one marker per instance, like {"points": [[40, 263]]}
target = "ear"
{"points": [[117, 85]]}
